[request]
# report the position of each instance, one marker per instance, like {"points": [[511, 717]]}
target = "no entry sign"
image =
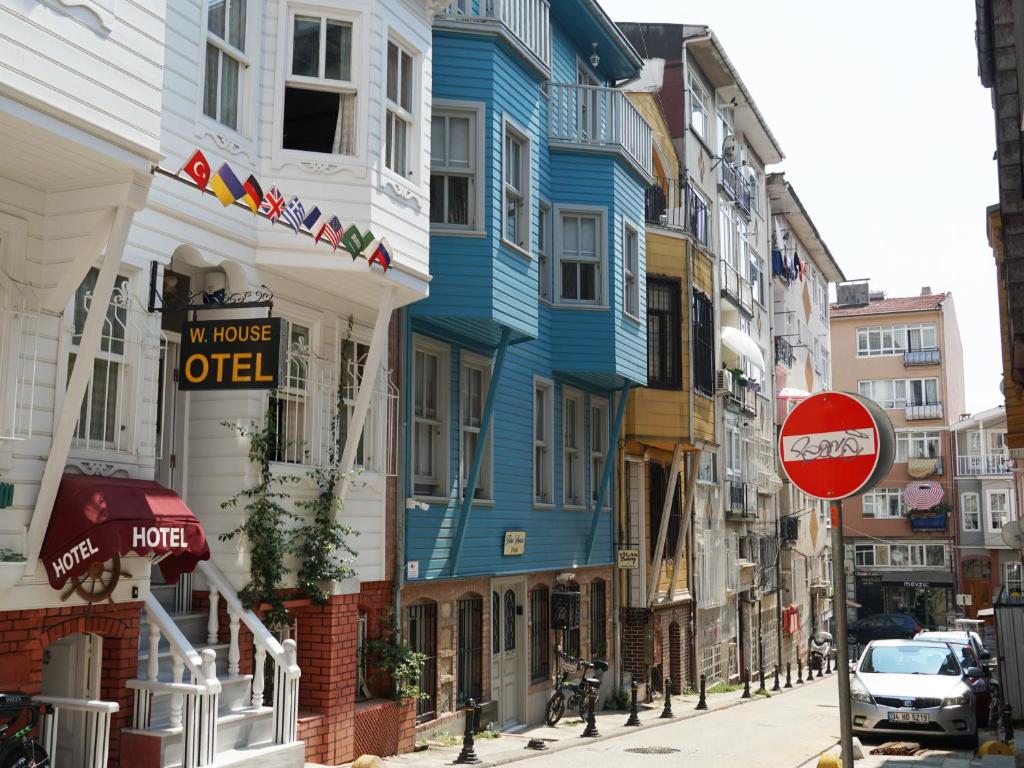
{"points": [[836, 444]]}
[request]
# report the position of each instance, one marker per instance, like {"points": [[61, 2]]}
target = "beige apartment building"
{"points": [[905, 354]]}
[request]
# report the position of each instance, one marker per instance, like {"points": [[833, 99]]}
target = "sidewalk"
{"points": [[511, 747]]}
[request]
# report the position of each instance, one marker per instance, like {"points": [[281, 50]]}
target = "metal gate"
{"points": [[423, 639], [469, 672], [1009, 611]]}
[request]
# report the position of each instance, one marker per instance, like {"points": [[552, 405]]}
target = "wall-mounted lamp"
{"points": [[594, 58]]}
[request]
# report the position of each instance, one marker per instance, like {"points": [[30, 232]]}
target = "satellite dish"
{"points": [[1013, 534], [729, 148]]}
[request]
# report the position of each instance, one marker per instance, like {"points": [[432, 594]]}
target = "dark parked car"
{"points": [[884, 626]]}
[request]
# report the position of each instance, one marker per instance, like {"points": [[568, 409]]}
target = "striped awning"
{"points": [[923, 494]]}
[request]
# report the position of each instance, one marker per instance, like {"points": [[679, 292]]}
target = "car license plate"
{"points": [[908, 717]]}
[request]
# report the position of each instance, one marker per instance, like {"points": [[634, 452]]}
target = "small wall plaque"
{"points": [[515, 543]]}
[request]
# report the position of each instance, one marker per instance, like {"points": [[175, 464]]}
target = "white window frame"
{"points": [[892, 339], [905, 444], [244, 119], [299, 389], [485, 482], [523, 196], [601, 262], [576, 453], [441, 421], [1008, 513], [395, 112], [357, 84], [598, 454], [964, 511], [474, 111], [879, 499], [861, 553], [545, 255], [869, 388], [1013, 583], [630, 270], [546, 446], [700, 96]]}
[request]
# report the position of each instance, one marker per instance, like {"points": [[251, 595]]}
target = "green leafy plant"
{"points": [[723, 687], [10, 556], [491, 731], [444, 739], [387, 657], [266, 517]]}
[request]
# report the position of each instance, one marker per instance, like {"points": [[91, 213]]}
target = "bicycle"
{"points": [[574, 695], [19, 750]]}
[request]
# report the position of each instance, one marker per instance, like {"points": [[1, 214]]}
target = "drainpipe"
{"points": [[404, 481], [691, 538], [617, 582]]}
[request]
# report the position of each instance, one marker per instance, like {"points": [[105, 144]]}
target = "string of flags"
{"points": [[229, 189]]}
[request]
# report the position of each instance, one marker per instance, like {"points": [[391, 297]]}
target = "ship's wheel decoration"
{"points": [[98, 583]]}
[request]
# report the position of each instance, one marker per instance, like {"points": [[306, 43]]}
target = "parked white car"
{"points": [[913, 688]]}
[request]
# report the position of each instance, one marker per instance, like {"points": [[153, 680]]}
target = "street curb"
{"points": [[690, 714]]}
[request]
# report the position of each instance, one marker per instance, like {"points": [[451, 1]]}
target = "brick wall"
{"points": [[673, 644], [384, 728], [24, 636], [633, 625]]}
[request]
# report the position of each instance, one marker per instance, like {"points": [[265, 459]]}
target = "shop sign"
{"points": [[963, 600], [916, 584], [515, 543], [629, 559], [230, 354]]}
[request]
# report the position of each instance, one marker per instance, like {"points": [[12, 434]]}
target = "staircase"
{"points": [[195, 708]]}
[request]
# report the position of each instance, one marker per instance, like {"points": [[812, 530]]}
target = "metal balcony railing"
{"points": [[984, 464], [924, 411], [736, 501], [601, 118], [526, 21], [927, 356], [736, 287], [728, 179], [784, 354], [669, 204]]}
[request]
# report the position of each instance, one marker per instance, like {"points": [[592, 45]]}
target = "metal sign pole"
{"points": [[842, 649]]}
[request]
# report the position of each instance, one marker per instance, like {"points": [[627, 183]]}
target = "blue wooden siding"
{"points": [[480, 284]]}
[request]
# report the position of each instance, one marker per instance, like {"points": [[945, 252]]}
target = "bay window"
{"points": [[453, 167], [226, 61], [399, 118], [580, 258], [516, 188], [631, 271], [320, 92]]}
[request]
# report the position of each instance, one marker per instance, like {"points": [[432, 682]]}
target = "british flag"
{"points": [[331, 231], [273, 204]]}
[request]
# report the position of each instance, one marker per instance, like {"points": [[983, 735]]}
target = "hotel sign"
{"points": [[230, 354], [515, 543], [629, 559]]}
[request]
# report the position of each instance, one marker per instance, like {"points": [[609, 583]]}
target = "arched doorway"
{"points": [[71, 669]]}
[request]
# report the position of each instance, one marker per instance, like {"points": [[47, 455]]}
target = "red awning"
{"points": [[95, 518]]}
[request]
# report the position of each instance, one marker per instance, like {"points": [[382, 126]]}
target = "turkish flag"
{"points": [[198, 169]]}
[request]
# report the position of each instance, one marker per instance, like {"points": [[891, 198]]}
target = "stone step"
{"points": [[243, 738], [235, 696]]}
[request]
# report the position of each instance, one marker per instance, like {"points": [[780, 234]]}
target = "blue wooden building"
{"points": [[518, 362]]}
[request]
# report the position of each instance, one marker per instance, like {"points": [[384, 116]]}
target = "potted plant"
{"points": [[12, 568]]}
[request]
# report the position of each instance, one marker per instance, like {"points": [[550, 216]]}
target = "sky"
{"points": [[888, 136]]}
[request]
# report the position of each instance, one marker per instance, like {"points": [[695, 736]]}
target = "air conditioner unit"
{"points": [[724, 384]]}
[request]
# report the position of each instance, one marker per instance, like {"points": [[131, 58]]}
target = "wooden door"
{"points": [[507, 651], [978, 584]]}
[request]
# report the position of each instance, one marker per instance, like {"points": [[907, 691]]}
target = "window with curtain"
{"points": [[399, 120], [970, 512], [703, 344], [598, 620], [290, 403], [453, 167], [663, 339], [540, 634], [579, 258], [884, 502], [516, 173], [320, 92], [430, 419], [998, 503], [226, 61]]}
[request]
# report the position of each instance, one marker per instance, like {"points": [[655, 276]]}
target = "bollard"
{"points": [[667, 711], [634, 715], [468, 754], [776, 686], [821, 668], [828, 663], [789, 676], [702, 703], [591, 729], [746, 685], [1007, 724], [760, 674], [799, 671]]}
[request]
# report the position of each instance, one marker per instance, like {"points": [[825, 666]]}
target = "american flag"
{"points": [[294, 213], [332, 231], [273, 204]]}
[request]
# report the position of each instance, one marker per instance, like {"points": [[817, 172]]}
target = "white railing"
{"points": [[306, 408], [984, 464], [28, 343], [96, 728], [928, 411], [193, 704], [737, 287], [287, 673], [600, 117], [527, 21]]}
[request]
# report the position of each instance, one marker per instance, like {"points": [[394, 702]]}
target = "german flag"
{"points": [[253, 193]]}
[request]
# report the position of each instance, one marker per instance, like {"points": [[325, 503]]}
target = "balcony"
{"points": [[921, 467], [784, 354], [928, 520], [736, 288], [926, 411], [927, 356], [736, 501], [729, 180], [525, 23], [667, 204], [984, 464], [601, 119]]}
